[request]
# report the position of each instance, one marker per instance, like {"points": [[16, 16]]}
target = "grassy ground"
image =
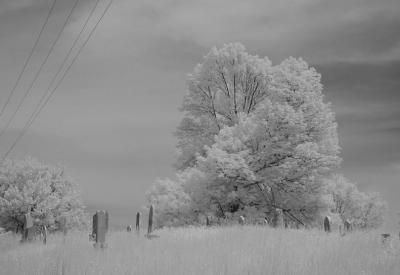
{"points": [[234, 250]]}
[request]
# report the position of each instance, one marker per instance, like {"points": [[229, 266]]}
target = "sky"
{"points": [[111, 121]]}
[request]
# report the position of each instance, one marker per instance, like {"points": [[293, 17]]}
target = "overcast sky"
{"points": [[111, 122]]}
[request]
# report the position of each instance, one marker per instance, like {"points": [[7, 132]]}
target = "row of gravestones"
{"points": [[100, 227], [346, 228]]}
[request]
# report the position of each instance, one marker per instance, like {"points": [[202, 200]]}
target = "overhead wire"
{"points": [[55, 76], [29, 123], [28, 59], [27, 92]]}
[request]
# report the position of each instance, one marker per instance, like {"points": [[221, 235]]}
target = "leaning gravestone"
{"points": [[100, 228], [327, 224]]}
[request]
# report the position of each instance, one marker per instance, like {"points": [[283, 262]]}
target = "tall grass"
{"points": [[233, 250]]}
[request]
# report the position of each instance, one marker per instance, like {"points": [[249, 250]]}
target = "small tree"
{"points": [[171, 203], [365, 210], [45, 191]]}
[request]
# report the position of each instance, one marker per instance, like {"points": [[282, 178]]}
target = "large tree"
{"points": [[260, 131], [45, 191], [255, 138]]}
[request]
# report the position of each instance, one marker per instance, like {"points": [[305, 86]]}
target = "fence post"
{"points": [[138, 222], [150, 227], [100, 228]]}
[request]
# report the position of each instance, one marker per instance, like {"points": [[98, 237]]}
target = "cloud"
{"points": [[321, 31]]}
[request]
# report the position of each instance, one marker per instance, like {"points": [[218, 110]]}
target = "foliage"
{"points": [[170, 202], [364, 210], [255, 138], [47, 190]]}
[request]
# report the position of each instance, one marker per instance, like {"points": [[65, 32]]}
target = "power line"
{"points": [[29, 123], [38, 71], [28, 59], [45, 94]]}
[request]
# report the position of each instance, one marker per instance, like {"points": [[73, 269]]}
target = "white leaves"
{"points": [[30, 184]]}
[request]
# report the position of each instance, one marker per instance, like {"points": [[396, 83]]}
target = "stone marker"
{"points": [[28, 230], [241, 220], [100, 228], [138, 222], [129, 228], [347, 226], [279, 218], [208, 221], [327, 224], [385, 237], [44, 233], [150, 226]]}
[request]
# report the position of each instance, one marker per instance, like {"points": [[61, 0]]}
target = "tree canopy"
{"points": [[255, 138], [45, 191]]}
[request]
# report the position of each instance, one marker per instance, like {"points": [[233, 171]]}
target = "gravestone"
{"points": [[385, 237], [129, 228], [138, 222], [241, 220], [63, 225], [28, 229], [347, 226], [100, 228], [279, 218], [150, 225], [208, 221], [44, 233], [327, 224]]}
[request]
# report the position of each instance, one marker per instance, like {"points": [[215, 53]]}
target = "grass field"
{"points": [[233, 250]]}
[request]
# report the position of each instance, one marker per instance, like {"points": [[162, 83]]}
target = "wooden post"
{"points": [[150, 227], [327, 224], [138, 222], [100, 228]]}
